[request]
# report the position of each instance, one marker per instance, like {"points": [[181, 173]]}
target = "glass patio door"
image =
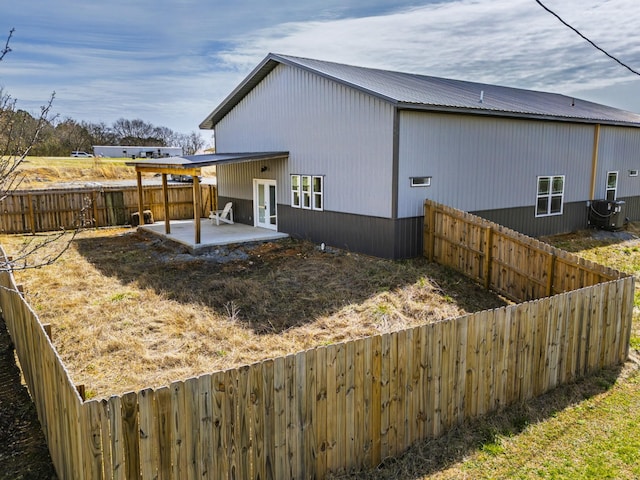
{"points": [[264, 200]]}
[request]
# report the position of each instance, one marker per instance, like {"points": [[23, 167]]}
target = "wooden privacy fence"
{"points": [[337, 408], [31, 211], [519, 267]]}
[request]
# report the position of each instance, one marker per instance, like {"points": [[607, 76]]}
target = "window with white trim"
{"points": [[420, 181], [318, 201], [550, 197], [307, 191], [612, 186], [295, 191]]}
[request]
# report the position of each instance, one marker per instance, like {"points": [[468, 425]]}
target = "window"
{"points": [[612, 186], [317, 193], [307, 191], [420, 181], [295, 191], [550, 196], [633, 173]]}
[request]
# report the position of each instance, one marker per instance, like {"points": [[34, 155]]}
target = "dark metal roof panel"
{"points": [[208, 160], [423, 92]]}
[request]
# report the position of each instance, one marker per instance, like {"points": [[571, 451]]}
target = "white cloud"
{"points": [[508, 42], [171, 62]]}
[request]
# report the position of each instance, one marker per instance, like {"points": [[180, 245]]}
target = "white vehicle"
{"points": [[77, 153]]}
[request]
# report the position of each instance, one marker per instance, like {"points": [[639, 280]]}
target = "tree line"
{"points": [[61, 137]]}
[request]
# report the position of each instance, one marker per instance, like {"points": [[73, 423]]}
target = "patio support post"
{"points": [[165, 204], [140, 198], [197, 200]]}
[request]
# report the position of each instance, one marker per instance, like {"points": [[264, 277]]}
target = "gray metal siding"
{"points": [[328, 129], [619, 150], [376, 236], [632, 207], [522, 219], [480, 163]]}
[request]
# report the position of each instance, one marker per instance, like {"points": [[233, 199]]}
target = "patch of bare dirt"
{"points": [[23, 451]]}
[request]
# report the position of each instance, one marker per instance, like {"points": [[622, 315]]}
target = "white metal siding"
{"points": [[329, 129], [483, 163], [619, 151]]}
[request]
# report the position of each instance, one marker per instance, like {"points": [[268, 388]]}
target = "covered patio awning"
{"points": [[190, 165]]}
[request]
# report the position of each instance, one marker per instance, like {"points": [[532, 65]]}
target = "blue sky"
{"points": [[171, 62]]}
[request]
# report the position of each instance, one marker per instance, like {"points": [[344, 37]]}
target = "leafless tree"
{"points": [[190, 143], [19, 131]]}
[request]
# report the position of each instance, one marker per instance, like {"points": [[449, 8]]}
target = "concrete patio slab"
{"points": [[211, 235]]}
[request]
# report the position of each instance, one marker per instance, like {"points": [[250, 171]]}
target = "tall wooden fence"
{"points": [[31, 211], [337, 408], [518, 267]]}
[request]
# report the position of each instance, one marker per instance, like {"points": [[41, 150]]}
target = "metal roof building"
{"points": [[367, 146]]}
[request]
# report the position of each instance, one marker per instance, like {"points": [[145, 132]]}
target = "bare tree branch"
{"points": [[19, 132], [6, 48]]}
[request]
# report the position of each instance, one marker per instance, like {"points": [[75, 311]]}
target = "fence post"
{"points": [[32, 218], [429, 241], [488, 241]]}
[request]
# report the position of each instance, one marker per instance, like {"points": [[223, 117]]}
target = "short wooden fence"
{"points": [[31, 211], [337, 408]]}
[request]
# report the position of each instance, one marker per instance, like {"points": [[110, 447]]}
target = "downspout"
{"points": [[594, 161]]}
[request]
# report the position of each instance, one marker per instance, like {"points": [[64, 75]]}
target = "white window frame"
{"points": [[317, 195], [550, 195], [295, 191], [421, 181], [611, 190], [305, 193]]}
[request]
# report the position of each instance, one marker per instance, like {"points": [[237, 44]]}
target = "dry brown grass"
{"points": [[43, 172], [128, 312]]}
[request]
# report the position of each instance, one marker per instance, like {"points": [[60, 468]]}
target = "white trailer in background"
{"points": [[129, 151]]}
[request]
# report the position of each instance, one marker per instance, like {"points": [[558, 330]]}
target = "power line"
{"points": [[587, 39]]}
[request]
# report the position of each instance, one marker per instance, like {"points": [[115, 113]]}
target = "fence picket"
{"points": [[258, 416], [219, 413], [205, 441], [245, 422], [148, 435], [130, 435], [280, 420], [321, 412], [178, 431], [350, 404], [162, 415], [307, 403]]}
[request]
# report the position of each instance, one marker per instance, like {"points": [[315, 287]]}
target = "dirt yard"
{"points": [[130, 312]]}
